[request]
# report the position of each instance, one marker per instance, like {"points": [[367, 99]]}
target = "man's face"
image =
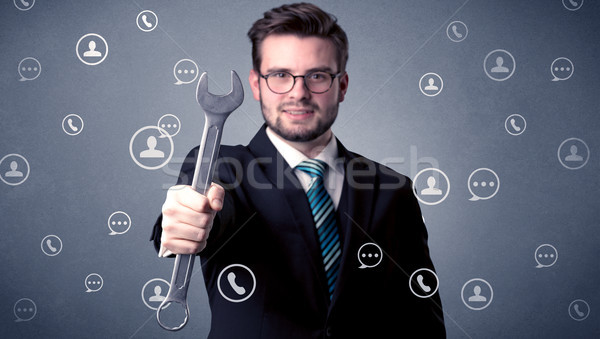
{"points": [[298, 115]]}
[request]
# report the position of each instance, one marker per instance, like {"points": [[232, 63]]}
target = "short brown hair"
{"points": [[302, 20]]}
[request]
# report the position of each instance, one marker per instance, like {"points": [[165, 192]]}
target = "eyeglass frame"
{"points": [[332, 75]]}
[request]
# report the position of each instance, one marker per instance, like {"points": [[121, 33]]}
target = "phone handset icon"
{"points": [[25, 3], [71, 126], [422, 285], [514, 125], [579, 313], [50, 247], [573, 3], [456, 32], [238, 289], [145, 21]]}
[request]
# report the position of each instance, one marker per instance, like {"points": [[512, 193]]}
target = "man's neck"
{"points": [[310, 148]]}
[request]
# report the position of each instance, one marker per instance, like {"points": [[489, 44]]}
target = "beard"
{"points": [[299, 133]]}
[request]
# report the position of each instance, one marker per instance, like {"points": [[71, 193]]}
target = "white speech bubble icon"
{"points": [[119, 223], [169, 125], [24, 310], [93, 282], [29, 69], [369, 255], [483, 183], [185, 71], [561, 69], [545, 255]]}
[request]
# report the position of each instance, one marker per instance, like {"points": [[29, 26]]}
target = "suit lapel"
{"points": [[355, 209], [285, 182]]}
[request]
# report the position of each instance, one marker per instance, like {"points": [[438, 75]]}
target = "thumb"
{"points": [[215, 196]]}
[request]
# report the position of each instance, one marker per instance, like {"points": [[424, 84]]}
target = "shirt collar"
{"points": [[294, 157]]}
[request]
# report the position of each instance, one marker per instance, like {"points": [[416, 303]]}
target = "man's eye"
{"points": [[318, 76], [279, 75]]}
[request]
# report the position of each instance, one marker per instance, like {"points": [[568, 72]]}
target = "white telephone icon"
{"points": [[424, 287], [514, 125], [25, 3], [238, 289], [73, 127], [456, 32], [579, 313], [573, 3], [54, 249], [145, 20]]}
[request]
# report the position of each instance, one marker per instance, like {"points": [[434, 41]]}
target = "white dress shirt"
{"points": [[334, 175]]}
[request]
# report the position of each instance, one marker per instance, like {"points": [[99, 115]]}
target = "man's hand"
{"points": [[188, 218]]}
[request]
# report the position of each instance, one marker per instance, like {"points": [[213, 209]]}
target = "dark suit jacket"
{"points": [[266, 225]]}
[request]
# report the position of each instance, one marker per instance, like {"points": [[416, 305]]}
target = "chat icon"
{"points": [[483, 183], [185, 71], [29, 69], [119, 223], [369, 255], [561, 69], [93, 282], [545, 256], [24, 310], [169, 125]]}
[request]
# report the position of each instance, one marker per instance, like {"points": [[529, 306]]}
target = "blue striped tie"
{"points": [[323, 212]]}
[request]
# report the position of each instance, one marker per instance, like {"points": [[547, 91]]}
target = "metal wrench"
{"points": [[216, 108]]}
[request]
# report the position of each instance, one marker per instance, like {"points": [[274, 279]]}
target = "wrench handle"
{"points": [[207, 154], [203, 173]]}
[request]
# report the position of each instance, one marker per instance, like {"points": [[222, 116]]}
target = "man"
{"points": [[330, 237]]}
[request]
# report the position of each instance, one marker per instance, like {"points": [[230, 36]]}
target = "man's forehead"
{"points": [[284, 48]]}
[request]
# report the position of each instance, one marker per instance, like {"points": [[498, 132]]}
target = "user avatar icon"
{"points": [[14, 169], [573, 153], [92, 52], [573, 156], [157, 297], [477, 294], [499, 65], [91, 49], [431, 86], [499, 68], [477, 297], [13, 173], [152, 152], [151, 147], [431, 189]]}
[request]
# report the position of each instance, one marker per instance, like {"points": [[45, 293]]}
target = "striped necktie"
{"points": [[323, 212]]}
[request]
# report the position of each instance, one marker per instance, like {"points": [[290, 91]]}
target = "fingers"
{"points": [[215, 196], [188, 217]]}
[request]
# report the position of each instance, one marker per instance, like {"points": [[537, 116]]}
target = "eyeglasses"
{"points": [[317, 82]]}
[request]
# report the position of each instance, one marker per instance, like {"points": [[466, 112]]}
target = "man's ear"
{"points": [[343, 86], [254, 79]]}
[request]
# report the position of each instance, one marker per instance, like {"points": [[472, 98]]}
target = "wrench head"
{"points": [[220, 104]]}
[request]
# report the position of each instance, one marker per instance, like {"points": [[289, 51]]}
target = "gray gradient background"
{"points": [[77, 182]]}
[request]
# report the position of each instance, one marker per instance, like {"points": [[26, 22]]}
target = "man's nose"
{"points": [[299, 91]]}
